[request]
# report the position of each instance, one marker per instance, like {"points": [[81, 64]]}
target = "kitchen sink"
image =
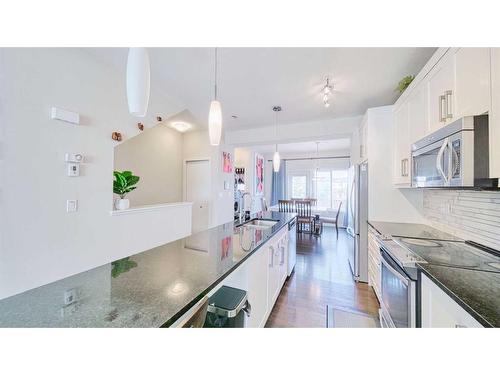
{"points": [[261, 223]]}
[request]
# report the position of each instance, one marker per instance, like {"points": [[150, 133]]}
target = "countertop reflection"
{"points": [[150, 289]]}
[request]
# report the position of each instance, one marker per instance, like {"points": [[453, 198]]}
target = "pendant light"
{"points": [[276, 156], [316, 169], [138, 81], [215, 114], [327, 91]]}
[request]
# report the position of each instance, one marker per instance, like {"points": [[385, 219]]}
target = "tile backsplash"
{"points": [[471, 215]]}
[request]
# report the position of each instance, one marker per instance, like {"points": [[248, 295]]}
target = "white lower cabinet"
{"points": [[257, 289], [373, 263], [277, 267], [262, 276], [438, 310]]}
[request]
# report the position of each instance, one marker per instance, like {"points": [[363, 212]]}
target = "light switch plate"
{"points": [[73, 169], [71, 205]]}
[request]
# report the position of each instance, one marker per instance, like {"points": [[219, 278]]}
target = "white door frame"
{"points": [[184, 182]]}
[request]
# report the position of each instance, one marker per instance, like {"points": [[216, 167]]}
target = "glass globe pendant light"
{"points": [[138, 81], [276, 156], [215, 114]]}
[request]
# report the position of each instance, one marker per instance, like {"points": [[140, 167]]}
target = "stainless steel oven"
{"points": [[398, 295], [454, 156]]}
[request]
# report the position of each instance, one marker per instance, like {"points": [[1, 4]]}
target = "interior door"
{"points": [[198, 191]]}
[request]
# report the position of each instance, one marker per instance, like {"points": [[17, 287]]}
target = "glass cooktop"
{"points": [[452, 254]]}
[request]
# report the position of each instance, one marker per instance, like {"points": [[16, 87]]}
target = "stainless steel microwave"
{"points": [[457, 155]]}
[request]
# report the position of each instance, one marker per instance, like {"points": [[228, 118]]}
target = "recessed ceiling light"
{"points": [[181, 126]]}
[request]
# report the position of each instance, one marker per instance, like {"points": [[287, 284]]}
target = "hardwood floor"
{"points": [[321, 277]]}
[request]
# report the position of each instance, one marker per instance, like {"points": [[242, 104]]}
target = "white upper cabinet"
{"points": [[442, 93], [402, 172], [473, 81], [362, 136], [355, 146], [418, 109], [456, 82], [494, 118]]}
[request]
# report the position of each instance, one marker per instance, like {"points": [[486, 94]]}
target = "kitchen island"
{"points": [[153, 288]]}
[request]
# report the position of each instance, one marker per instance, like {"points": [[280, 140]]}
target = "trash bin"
{"points": [[227, 308]]}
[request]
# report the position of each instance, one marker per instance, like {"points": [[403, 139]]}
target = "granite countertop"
{"points": [[411, 230], [150, 289], [478, 292]]}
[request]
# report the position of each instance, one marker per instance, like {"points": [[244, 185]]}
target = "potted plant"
{"points": [[404, 83], [122, 185]]}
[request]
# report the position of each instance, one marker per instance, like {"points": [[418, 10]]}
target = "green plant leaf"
{"points": [[404, 83], [132, 180], [123, 183]]}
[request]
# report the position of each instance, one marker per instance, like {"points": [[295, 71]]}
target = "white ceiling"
{"points": [[253, 80], [306, 148]]}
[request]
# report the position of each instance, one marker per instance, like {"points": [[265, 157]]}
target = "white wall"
{"points": [[305, 131], [196, 145], [40, 242], [245, 158], [385, 202], [155, 156]]}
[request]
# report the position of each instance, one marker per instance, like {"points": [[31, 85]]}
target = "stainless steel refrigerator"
{"points": [[357, 221]]}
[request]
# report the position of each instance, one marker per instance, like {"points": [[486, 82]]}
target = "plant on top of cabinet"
{"points": [[404, 83], [122, 185]]}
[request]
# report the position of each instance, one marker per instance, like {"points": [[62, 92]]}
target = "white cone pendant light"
{"points": [[215, 123], [215, 114], [138, 81], [276, 161], [276, 156]]}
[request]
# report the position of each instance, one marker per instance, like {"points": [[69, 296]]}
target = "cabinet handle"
{"points": [[407, 169], [460, 326], [449, 108], [271, 248], [442, 108], [402, 167]]}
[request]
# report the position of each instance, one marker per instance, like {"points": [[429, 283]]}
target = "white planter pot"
{"points": [[122, 204]]}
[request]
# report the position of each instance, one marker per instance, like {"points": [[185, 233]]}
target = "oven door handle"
{"points": [[385, 262]]}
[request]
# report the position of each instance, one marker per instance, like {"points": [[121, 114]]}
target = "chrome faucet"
{"points": [[242, 205]]}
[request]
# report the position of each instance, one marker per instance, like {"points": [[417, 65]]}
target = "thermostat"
{"points": [[73, 158]]}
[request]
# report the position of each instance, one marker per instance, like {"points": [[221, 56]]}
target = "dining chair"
{"points": [[286, 205], [331, 220], [304, 218]]}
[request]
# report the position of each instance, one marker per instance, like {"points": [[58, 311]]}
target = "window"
{"points": [[328, 186], [339, 187], [298, 187], [324, 189]]}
